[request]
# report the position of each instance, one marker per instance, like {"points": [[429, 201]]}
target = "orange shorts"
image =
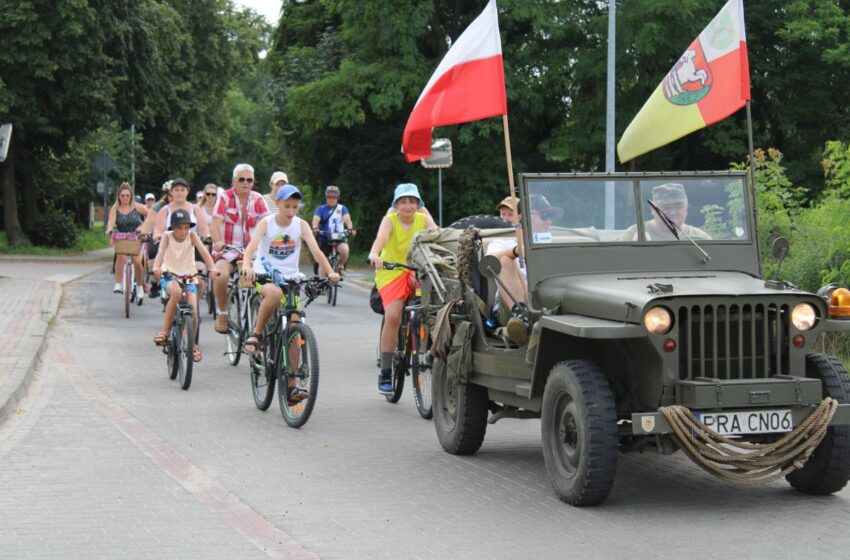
{"points": [[400, 288]]}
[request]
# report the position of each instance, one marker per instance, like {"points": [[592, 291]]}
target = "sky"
{"points": [[270, 9]]}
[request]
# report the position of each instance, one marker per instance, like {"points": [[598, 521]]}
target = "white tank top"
{"points": [[179, 257], [281, 246]]}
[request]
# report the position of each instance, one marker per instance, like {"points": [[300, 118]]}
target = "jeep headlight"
{"points": [[658, 320], [804, 316]]}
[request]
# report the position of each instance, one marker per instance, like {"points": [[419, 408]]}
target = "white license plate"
{"points": [[748, 422]]}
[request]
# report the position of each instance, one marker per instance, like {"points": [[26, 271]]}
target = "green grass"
{"points": [[88, 240]]}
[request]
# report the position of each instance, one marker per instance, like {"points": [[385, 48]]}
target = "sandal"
{"points": [[196, 354], [253, 341], [160, 338], [295, 395]]}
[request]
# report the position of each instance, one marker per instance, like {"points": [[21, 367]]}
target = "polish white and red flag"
{"points": [[468, 85]]}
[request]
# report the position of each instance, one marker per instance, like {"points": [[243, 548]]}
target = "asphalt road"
{"points": [[107, 457]]}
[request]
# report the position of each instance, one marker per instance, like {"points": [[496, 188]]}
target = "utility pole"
{"points": [[609, 113], [133, 155]]}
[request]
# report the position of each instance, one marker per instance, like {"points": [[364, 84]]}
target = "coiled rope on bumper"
{"points": [[743, 463]]}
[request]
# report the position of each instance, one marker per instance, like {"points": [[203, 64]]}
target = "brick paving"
{"points": [[111, 458]]}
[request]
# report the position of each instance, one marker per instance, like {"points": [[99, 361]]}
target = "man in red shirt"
{"points": [[237, 212]]}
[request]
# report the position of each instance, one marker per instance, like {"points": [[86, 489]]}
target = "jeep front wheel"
{"points": [[460, 412], [828, 469], [579, 429]]}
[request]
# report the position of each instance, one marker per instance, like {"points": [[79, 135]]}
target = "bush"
{"points": [[55, 228]]}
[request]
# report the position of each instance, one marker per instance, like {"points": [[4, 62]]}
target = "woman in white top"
{"points": [[208, 203]]}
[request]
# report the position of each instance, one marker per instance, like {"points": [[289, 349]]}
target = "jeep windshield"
{"points": [[609, 209]]}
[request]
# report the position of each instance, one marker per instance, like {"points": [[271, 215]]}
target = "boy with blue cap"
{"points": [[396, 286], [278, 239]]}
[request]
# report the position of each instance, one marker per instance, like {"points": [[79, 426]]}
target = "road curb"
{"points": [[18, 382]]}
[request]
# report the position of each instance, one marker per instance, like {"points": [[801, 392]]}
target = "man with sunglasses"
{"points": [[332, 217], [237, 213]]}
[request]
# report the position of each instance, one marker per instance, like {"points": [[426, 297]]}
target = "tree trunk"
{"points": [[14, 234], [29, 205]]}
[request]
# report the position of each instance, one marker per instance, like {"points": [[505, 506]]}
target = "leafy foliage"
{"points": [[54, 228]]}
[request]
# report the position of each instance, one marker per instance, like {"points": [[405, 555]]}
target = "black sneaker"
{"points": [[385, 382], [154, 291]]}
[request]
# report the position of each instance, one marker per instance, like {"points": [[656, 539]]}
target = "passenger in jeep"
{"points": [[514, 314]]}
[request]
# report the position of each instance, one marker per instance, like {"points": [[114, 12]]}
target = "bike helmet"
{"points": [[332, 190]]}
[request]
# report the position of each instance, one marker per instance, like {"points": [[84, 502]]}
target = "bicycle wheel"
{"points": [[171, 353], [399, 364], [263, 366], [209, 295], [332, 288], [186, 350], [421, 371], [128, 285], [233, 338], [305, 373]]}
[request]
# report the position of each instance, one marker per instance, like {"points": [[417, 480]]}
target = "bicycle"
{"points": [[409, 357], [128, 244], [240, 318], [209, 293], [270, 364], [179, 346], [333, 239]]}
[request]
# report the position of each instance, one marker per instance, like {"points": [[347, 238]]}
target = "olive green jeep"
{"points": [[645, 295]]}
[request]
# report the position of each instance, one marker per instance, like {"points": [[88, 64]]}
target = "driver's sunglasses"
{"points": [[246, 180], [545, 215]]}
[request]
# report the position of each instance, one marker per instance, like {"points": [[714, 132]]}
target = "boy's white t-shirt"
{"points": [[499, 245], [281, 246]]}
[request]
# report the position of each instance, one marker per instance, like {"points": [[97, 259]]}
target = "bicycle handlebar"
{"points": [[394, 265]]}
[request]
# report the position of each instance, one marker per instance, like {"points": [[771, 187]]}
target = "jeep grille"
{"points": [[733, 341]]}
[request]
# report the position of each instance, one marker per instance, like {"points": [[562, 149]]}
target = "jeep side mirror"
{"points": [[490, 266], [779, 250]]}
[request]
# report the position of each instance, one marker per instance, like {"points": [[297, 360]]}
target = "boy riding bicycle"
{"points": [[176, 256], [396, 286], [278, 239]]}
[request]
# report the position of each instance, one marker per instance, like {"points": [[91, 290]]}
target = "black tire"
{"points": [[233, 338], [264, 367], [460, 412], [171, 351], [579, 430], [128, 287], [209, 295], [306, 375], [398, 374], [828, 469], [421, 372], [332, 288], [186, 351], [481, 221]]}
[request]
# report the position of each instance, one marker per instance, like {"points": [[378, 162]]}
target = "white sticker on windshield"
{"points": [[543, 237]]}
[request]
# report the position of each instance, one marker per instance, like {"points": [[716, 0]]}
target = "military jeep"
{"points": [[630, 311]]}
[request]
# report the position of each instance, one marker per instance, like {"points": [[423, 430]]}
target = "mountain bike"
{"points": [[179, 346], [409, 357], [240, 319], [275, 362], [333, 239]]}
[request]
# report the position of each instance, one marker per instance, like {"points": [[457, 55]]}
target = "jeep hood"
{"points": [[623, 296]]}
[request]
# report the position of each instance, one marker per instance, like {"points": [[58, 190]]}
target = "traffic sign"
{"points": [[104, 163], [5, 139], [109, 187]]}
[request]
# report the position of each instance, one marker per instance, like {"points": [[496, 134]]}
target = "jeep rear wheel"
{"points": [[828, 469], [579, 431], [460, 412]]}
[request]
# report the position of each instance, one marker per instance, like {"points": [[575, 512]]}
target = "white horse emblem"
{"points": [[685, 83]]}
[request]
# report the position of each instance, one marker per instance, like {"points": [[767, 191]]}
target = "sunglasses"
{"points": [[210, 194], [545, 215], [248, 180]]}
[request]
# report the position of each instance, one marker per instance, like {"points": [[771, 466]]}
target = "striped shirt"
{"points": [[238, 228], [179, 257]]}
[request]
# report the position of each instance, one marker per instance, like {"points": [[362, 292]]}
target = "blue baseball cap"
{"points": [[407, 189], [288, 191]]}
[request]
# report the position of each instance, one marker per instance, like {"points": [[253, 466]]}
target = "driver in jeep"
{"points": [[672, 201]]}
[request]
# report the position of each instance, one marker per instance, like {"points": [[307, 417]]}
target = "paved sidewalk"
{"points": [[30, 291]]}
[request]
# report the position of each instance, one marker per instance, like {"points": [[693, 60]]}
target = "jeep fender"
{"points": [[574, 337]]}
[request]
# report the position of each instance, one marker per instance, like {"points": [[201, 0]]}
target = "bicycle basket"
{"points": [[126, 243]]}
